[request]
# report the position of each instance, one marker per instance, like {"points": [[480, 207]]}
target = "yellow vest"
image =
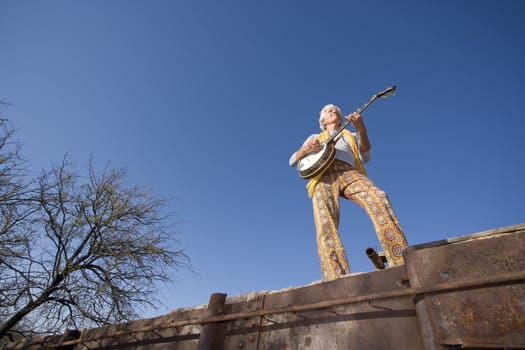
{"points": [[350, 138]]}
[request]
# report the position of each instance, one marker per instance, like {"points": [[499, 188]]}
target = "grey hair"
{"points": [[321, 118]]}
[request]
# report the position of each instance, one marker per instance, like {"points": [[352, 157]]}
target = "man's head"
{"points": [[330, 114]]}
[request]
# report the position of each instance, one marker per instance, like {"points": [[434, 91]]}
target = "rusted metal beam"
{"points": [[425, 325], [503, 279], [212, 334]]}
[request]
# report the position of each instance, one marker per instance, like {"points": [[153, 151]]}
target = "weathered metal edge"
{"points": [[478, 235]]}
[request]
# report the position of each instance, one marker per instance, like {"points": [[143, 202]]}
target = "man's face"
{"points": [[331, 116]]}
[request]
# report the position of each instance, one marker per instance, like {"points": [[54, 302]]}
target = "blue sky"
{"points": [[203, 102]]}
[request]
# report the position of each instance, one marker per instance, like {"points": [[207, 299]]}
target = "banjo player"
{"points": [[346, 177]]}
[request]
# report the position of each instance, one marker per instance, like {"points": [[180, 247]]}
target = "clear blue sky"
{"points": [[203, 102]]}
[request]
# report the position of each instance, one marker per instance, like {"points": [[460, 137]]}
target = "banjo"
{"points": [[316, 163]]}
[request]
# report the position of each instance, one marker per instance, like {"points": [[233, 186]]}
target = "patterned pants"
{"points": [[341, 180]]}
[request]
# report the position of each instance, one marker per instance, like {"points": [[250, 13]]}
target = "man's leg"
{"points": [[334, 262], [362, 191]]}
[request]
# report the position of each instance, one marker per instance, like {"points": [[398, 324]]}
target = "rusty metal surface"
{"points": [[124, 336], [492, 316], [244, 333], [467, 292], [345, 326]]}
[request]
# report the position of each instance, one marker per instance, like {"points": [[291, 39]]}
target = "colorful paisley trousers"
{"points": [[341, 180]]}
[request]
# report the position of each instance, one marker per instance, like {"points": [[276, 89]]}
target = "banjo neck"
{"points": [[389, 90]]}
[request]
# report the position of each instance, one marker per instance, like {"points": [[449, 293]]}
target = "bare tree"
{"points": [[15, 209], [82, 251]]}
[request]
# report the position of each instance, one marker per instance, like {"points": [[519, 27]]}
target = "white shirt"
{"points": [[343, 151]]}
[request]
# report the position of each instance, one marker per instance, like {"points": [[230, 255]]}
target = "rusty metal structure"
{"points": [[462, 293]]}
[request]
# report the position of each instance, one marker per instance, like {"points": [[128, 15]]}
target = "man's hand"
{"points": [[359, 125], [356, 120], [313, 146]]}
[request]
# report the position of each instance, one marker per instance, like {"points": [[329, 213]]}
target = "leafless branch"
{"points": [[78, 251]]}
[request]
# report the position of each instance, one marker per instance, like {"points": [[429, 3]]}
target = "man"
{"points": [[347, 178]]}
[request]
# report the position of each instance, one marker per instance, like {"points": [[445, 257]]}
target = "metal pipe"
{"points": [[375, 258]]}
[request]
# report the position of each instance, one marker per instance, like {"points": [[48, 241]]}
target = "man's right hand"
{"points": [[313, 146]]}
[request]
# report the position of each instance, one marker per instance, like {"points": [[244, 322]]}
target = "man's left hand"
{"points": [[356, 120]]}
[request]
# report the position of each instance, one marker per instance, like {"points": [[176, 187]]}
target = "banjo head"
{"points": [[310, 160], [315, 163]]}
